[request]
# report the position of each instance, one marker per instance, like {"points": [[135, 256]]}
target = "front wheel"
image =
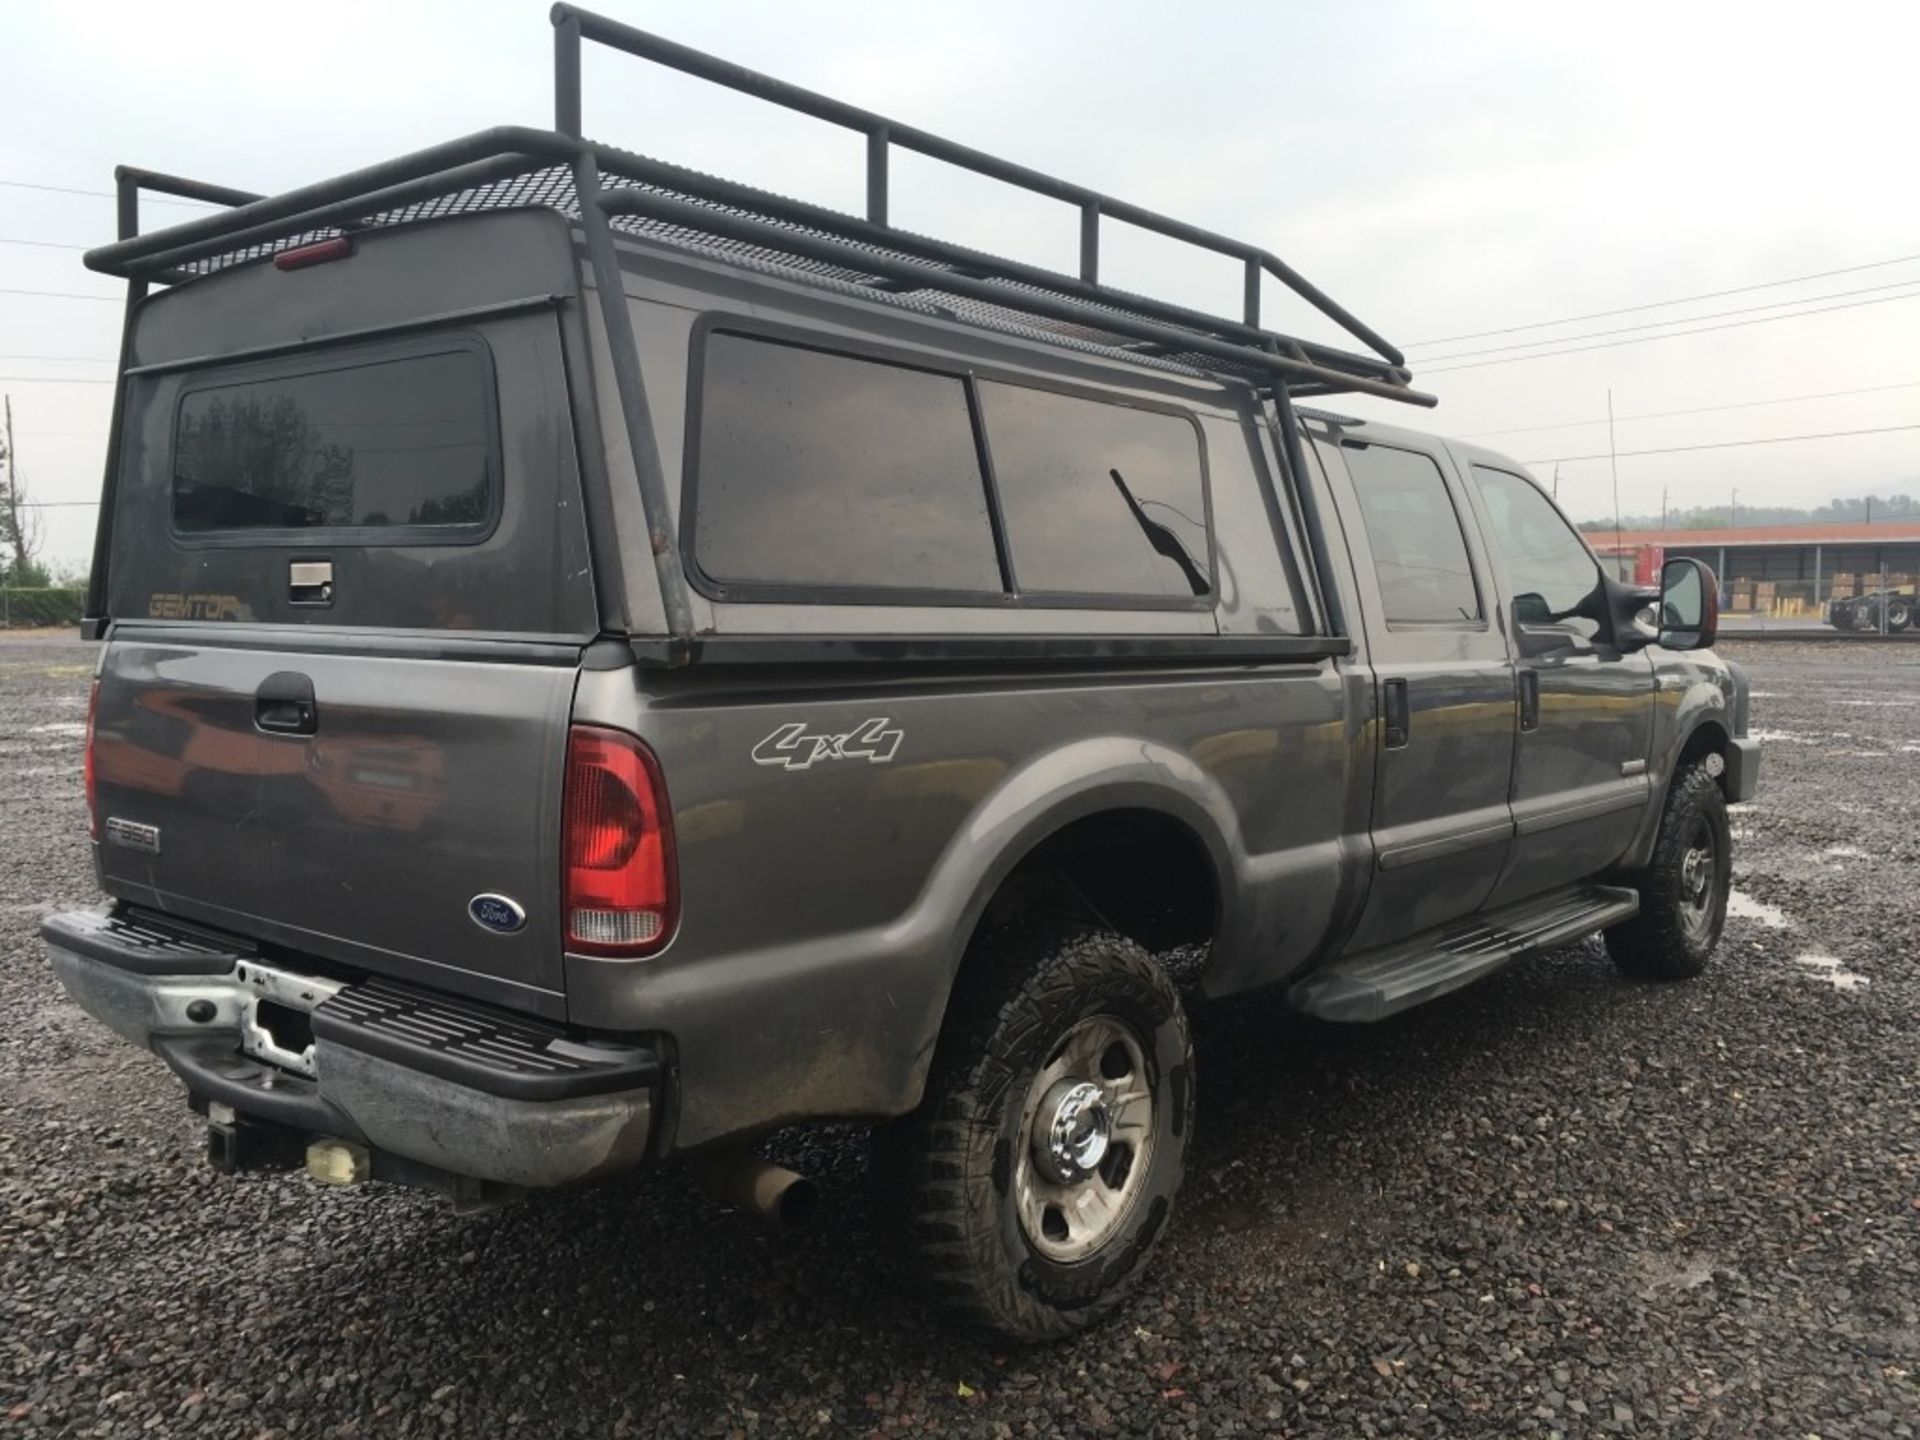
{"points": [[1039, 1173], [1899, 615], [1684, 888]]}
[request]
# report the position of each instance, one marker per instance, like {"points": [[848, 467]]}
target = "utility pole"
{"points": [[1556, 482], [13, 497], [1736, 507], [1613, 463], [1663, 509]]}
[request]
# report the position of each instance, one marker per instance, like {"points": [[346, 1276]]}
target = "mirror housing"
{"points": [[1689, 605]]}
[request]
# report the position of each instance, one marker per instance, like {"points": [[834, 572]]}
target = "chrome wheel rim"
{"points": [[1698, 877], [1086, 1140]]}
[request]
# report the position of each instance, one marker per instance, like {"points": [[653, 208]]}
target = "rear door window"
{"points": [[378, 446], [829, 473], [1419, 549], [1100, 499]]}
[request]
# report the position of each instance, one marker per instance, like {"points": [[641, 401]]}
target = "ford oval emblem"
{"points": [[496, 913]]}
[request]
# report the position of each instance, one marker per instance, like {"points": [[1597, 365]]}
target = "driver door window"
{"points": [[1554, 577]]}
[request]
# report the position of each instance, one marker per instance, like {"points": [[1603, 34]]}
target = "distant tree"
{"points": [[1719, 517], [20, 522]]}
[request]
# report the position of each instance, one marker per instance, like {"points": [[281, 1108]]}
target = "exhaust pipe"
{"points": [[771, 1191]]}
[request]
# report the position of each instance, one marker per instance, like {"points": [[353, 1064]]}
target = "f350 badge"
{"points": [[797, 748]]}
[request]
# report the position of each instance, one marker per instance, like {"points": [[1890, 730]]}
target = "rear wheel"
{"points": [[1684, 888], [1899, 613], [1039, 1173]]}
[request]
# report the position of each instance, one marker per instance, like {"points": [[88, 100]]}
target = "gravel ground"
{"points": [[1557, 1203]]}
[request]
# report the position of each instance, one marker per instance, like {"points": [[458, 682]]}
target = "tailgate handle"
{"points": [[284, 704], [310, 582]]}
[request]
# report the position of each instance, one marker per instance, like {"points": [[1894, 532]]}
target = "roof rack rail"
{"points": [[652, 199]]}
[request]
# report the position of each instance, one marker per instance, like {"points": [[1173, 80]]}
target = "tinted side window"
{"points": [[1552, 574], [826, 471], [1098, 498], [401, 442], [1419, 549]]}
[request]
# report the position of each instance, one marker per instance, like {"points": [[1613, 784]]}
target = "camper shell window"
{"points": [[820, 476], [386, 445]]}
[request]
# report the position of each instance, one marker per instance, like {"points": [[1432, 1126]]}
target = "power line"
{"points": [[42, 244], [145, 198], [1663, 304], [1696, 410], [1671, 334], [64, 359], [64, 295], [1720, 445], [57, 379], [1662, 324], [54, 504]]}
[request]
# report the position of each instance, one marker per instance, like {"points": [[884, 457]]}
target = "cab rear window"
{"points": [[395, 445]]}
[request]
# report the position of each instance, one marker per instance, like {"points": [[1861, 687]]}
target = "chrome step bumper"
{"points": [[453, 1086]]}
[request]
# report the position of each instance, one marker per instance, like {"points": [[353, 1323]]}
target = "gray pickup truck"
{"points": [[602, 662]]}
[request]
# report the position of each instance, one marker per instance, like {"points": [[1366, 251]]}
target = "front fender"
{"points": [[1691, 697]]}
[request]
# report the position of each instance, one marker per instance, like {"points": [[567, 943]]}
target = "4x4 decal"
{"points": [[797, 748]]}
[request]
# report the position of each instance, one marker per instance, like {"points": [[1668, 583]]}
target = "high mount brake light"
{"points": [[621, 888], [317, 253], [87, 767]]}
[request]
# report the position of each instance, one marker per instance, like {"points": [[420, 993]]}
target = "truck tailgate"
{"points": [[363, 831]]}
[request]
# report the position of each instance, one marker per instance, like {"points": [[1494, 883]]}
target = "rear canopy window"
{"points": [[393, 443], [833, 474], [826, 471], [1099, 499]]}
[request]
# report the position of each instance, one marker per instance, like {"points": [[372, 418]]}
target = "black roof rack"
{"points": [[610, 192], [665, 203]]}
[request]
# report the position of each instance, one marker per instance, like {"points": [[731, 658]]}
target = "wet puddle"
{"points": [[1744, 907], [1828, 968]]}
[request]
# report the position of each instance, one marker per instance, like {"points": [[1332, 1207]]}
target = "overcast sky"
{"points": [[1442, 169]]}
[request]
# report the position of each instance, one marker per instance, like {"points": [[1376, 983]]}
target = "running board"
{"points": [[1384, 982]]}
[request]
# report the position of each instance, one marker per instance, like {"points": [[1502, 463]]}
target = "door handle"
{"points": [[1529, 700], [284, 705], [1393, 705]]}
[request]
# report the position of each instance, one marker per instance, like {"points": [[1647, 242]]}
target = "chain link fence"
{"points": [[37, 608]]}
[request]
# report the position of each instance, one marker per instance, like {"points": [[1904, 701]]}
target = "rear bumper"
{"points": [[457, 1088]]}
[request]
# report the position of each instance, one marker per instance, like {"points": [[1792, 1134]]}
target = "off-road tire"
{"points": [[948, 1168], [1675, 932]]}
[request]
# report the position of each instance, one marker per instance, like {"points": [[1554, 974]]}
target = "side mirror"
{"points": [[1689, 605]]}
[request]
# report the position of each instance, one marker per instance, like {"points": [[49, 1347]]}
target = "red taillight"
{"points": [[86, 764], [317, 253], [622, 895]]}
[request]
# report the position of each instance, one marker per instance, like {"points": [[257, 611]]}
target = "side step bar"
{"points": [[1384, 982]]}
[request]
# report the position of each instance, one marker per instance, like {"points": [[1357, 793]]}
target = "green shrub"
{"points": [[23, 608]]}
